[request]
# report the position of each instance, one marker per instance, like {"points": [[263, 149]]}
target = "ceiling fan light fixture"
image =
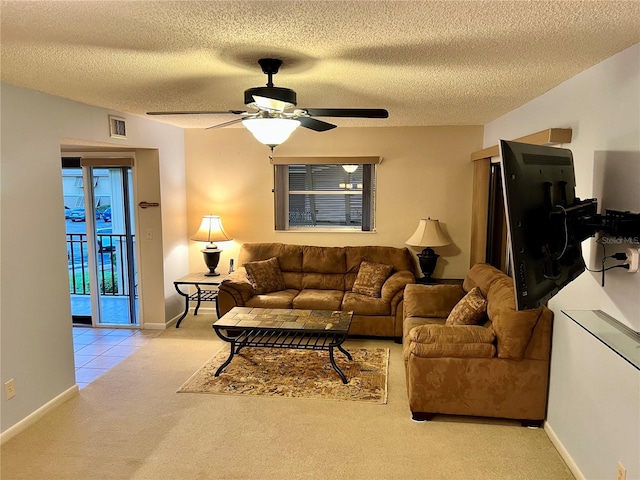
{"points": [[271, 131]]}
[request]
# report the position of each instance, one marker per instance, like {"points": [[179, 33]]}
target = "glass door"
{"points": [[100, 243]]}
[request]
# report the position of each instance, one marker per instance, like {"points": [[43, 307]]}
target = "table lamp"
{"points": [[428, 235], [211, 231]]}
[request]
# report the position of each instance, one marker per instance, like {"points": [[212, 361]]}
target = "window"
{"points": [[324, 196]]}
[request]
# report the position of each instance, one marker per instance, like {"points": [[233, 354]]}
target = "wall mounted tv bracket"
{"points": [[619, 224], [581, 220]]}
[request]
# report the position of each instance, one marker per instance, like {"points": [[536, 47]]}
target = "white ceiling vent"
{"points": [[117, 127]]}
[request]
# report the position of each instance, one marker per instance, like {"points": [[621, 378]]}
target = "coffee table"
{"points": [[284, 328]]}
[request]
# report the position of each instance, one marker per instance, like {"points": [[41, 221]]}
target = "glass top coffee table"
{"points": [[284, 328]]}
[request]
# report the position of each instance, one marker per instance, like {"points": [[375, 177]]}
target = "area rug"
{"points": [[295, 374]]}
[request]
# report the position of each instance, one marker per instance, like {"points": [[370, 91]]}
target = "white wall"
{"points": [[594, 398], [35, 317]]}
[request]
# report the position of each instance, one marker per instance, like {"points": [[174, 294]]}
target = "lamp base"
{"points": [[211, 259], [428, 259]]}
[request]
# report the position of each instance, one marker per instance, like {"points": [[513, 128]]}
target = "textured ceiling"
{"points": [[427, 62]]}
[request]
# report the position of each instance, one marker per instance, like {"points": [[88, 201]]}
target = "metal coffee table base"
{"points": [[285, 339]]}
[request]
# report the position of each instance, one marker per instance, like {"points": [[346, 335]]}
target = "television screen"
{"points": [[543, 220]]}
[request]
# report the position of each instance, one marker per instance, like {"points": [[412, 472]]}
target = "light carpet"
{"points": [[130, 424], [295, 374]]}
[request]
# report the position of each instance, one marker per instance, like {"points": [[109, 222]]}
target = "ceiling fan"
{"points": [[271, 114]]}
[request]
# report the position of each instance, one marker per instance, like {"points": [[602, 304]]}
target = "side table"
{"points": [[207, 294]]}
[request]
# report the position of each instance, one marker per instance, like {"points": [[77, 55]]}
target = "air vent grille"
{"points": [[117, 127]]}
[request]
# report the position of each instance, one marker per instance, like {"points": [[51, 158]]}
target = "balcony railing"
{"points": [[112, 268]]}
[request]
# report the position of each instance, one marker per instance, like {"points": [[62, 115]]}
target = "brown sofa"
{"points": [[498, 368], [323, 278]]}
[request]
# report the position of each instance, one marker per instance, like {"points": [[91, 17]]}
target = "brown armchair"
{"points": [[499, 368]]}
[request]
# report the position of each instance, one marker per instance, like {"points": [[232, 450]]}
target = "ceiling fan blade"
{"points": [[225, 124], [347, 112], [235, 112], [286, 97], [316, 125], [271, 104]]}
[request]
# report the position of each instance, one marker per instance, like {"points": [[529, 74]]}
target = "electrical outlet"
{"points": [[622, 472], [9, 389], [633, 258]]}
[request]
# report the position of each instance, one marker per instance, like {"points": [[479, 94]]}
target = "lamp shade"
{"points": [[428, 234], [211, 230], [271, 131]]}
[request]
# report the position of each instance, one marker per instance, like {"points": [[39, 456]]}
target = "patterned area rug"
{"points": [[295, 373]]}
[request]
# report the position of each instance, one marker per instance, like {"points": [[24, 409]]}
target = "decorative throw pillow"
{"points": [[265, 275], [370, 278], [471, 310]]}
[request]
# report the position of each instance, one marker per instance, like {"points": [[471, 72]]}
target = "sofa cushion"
{"points": [[471, 310], [455, 350], [512, 327], [364, 305], [322, 281], [434, 333], [432, 341], [289, 256], [481, 275], [400, 258], [280, 299], [265, 275], [319, 299], [324, 259], [431, 301], [370, 278]]}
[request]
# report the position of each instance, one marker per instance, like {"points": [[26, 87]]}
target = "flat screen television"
{"points": [[545, 220]]}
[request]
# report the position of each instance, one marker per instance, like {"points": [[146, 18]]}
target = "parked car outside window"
{"points": [[77, 215], [106, 216], [104, 240]]}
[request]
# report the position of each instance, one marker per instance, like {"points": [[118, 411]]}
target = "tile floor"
{"points": [[97, 350]]}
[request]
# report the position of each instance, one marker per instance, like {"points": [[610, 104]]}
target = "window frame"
{"points": [[282, 192]]}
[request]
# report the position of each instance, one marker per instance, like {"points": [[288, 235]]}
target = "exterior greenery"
{"points": [[108, 284]]}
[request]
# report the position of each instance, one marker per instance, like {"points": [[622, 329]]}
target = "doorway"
{"points": [[100, 234]]}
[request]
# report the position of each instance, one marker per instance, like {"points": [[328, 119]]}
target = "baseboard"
{"points": [[563, 452], [174, 320], [29, 420], [157, 326]]}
